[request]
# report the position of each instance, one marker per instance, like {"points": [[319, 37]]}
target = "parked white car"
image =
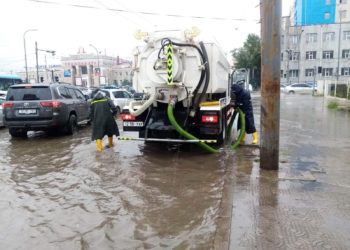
{"points": [[300, 88], [120, 97]]}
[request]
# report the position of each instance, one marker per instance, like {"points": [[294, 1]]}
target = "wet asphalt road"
{"points": [[57, 192], [306, 204]]}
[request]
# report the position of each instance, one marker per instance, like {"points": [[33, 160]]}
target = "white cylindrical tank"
{"points": [[151, 69]]}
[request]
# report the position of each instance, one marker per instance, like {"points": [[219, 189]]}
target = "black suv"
{"points": [[44, 107]]}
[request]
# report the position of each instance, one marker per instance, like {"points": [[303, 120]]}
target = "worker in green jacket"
{"points": [[102, 115]]}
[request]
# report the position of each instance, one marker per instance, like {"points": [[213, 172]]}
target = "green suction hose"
{"points": [[242, 130], [184, 133]]}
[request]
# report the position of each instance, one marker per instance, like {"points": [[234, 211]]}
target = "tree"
{"points": [[249, 56]]}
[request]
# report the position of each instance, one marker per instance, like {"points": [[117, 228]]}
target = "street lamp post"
{"points": [[339, 54], [25, 52], [98, 63], [36, 55], [290, 56]]}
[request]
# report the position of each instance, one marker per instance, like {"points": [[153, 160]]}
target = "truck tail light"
{"points": [[128, 117], [210, 118], [51, 104], [7, 105]]}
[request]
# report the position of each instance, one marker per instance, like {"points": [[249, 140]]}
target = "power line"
{"points": [[145, 12]]}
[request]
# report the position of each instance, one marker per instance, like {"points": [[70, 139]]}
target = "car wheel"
{"points": [[71, 127], [14, 132], [291, 92]]}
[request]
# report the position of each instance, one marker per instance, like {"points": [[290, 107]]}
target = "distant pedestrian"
{"points": [[242, 100], [103, 114]]}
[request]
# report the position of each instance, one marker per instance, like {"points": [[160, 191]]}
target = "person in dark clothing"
{"points": [[242, 100], [102, 115]]}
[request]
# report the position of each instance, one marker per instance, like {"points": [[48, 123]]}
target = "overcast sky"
{"points": [[66, 25]]}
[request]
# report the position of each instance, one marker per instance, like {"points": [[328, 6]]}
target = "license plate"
{"points": [[133, 124], [27, 111]]}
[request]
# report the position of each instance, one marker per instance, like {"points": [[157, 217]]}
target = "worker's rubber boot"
{"points": [[243, 138], [255, 138], [99, 145], [110, 142]]}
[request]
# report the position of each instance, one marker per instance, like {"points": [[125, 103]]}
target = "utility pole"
{"points": [[37, 64], [270, 12], [36, 55], [25, 52]]}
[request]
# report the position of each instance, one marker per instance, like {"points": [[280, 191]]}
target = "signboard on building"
{"points": [[67, 73], [78, 81]]}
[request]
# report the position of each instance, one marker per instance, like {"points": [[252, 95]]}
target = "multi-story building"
{"points": [[310, 12], [316, 46], [84, 69], [93, 70]]}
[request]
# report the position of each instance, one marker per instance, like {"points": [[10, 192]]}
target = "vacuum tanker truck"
{"points": [[186, 90]]}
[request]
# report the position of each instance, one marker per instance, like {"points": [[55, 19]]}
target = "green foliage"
{"points": [[249, 56], [332, 105]]}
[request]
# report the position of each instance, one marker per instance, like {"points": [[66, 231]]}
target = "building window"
{"points": [[342, 14], [309, 72], [327, 72], [327, 54], [345, 71], [310, 55], [294, 39], [311, 37], [328, 36], [282, 39], [83, 70], [327, 15], [342, 1], [281, 73], [294, 56], [294, 73], [346, 35], [346, 53]]}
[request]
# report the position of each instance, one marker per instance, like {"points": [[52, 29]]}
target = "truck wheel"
{"points": [[222, 136], [18, 132], [71, 127]]}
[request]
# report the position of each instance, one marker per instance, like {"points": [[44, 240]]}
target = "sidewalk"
{"points": [[306, 203]]}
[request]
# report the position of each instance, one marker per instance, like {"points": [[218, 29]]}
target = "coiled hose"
{"points": [[236, 143]]}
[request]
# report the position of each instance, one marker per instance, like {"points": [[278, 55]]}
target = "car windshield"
{"points": [[29, 93]]}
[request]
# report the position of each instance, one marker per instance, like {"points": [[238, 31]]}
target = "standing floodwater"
{"points": [[59, 192]]}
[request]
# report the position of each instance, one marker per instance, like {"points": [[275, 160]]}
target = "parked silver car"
{"points": [[44, 107], [120, 97], [300, 88]]}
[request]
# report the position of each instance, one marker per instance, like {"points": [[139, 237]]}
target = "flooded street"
{"points": [[306, 204], [57, 192]]}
